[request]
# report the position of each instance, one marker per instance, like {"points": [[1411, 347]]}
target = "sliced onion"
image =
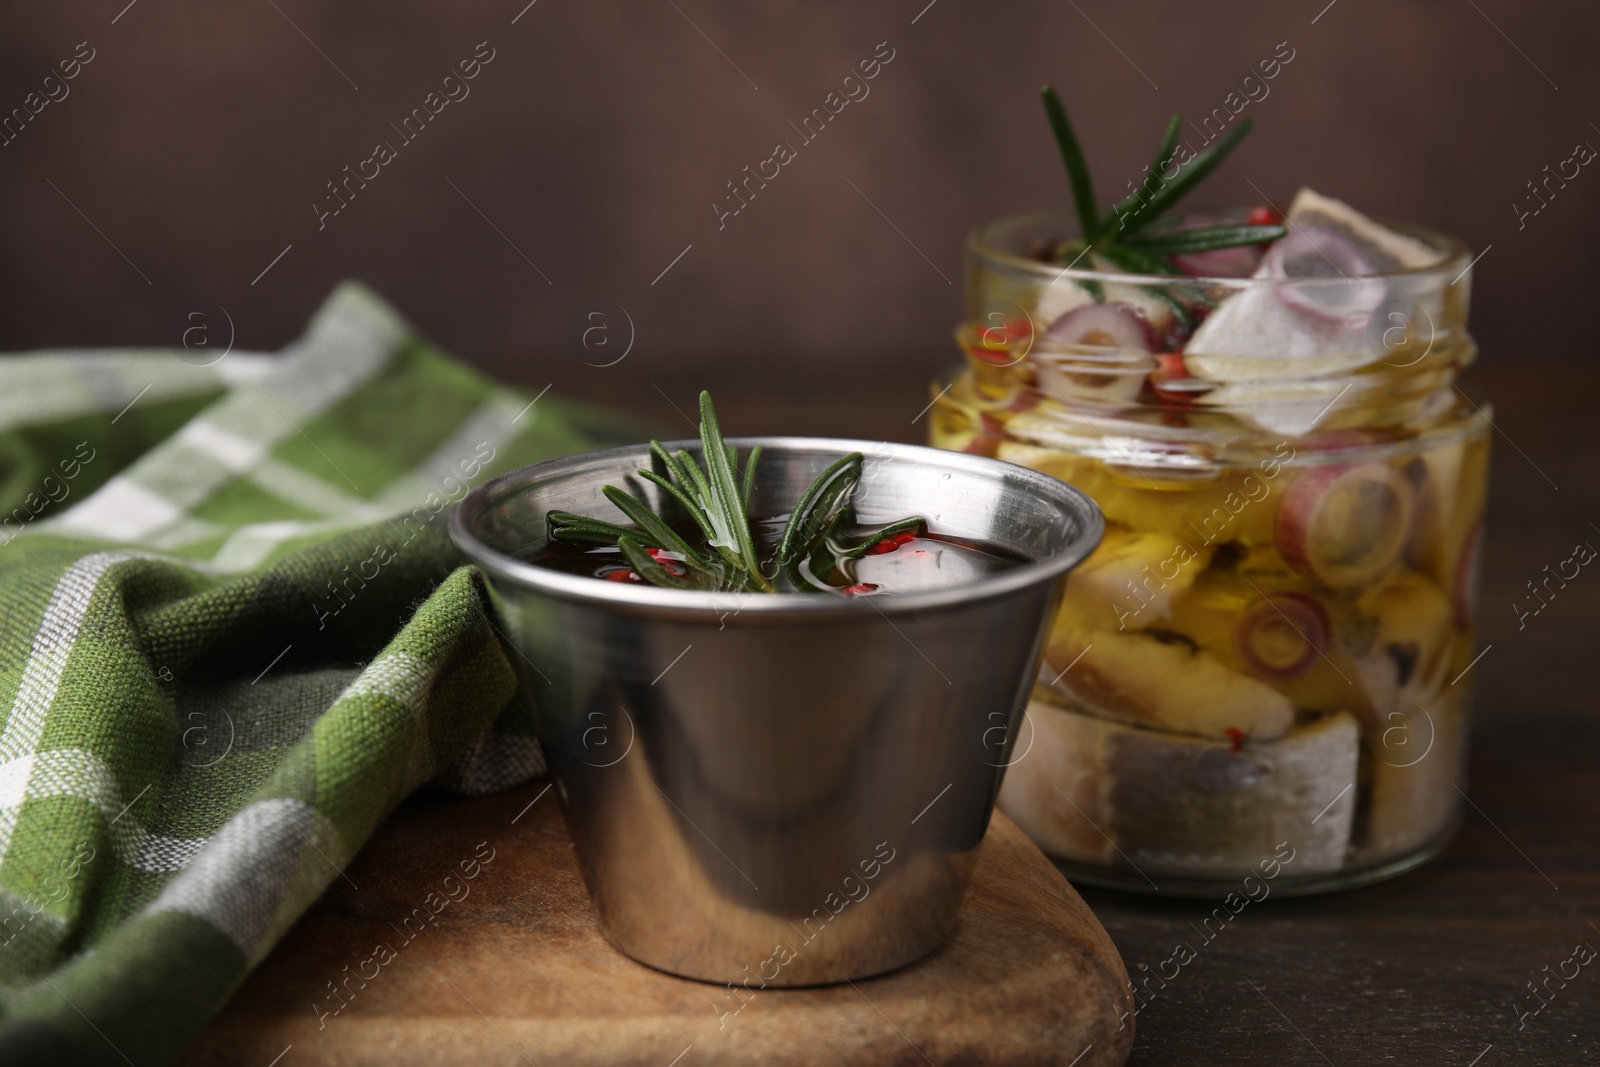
{"points": [[1280, 638], [1101, 326], [1345, 524], [1239, 262], [1071, 380], [1328, 276], [1114, 372]]}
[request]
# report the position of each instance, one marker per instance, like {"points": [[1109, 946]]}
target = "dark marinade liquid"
{"points": [[913, 563]]}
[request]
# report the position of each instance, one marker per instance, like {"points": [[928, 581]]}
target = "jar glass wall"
{"points": [[1263, 662]]}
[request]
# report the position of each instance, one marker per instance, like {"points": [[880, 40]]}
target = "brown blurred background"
{"points": [[592, 146]]}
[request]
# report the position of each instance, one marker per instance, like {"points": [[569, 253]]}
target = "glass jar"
{"points": [[1266, 660]]}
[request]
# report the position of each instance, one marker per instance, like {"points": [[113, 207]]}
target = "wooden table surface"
{"points": [[1432, 968], [513, 973]]}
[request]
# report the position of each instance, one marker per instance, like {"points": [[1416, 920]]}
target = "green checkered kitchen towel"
{"points": [[233, 635]]}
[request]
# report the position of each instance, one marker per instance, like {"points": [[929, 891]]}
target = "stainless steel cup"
{"points": [[780, 789]]}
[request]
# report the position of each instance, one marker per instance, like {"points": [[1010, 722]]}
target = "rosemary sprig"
{"points": [[1135, 234], [1204, 238], [717, 498], [1077, 168]]}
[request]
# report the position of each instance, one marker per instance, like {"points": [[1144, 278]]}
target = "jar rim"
{"points": [[983, 241]]}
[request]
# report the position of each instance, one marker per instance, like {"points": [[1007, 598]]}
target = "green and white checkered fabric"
{"points": [[233, 635]]}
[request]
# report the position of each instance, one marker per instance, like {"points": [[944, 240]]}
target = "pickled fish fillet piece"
{"points": [[1385, 249], [1416, 761], [1332, 251], [1100, 792], [1450, 496], [1283, 409], [1411, 658], [1056, 789], [1131, 579], [1202, 502], [1160, 680], [1255, 326]]}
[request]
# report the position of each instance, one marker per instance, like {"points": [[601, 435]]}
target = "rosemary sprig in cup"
{"points": [[1138, 234], [717, 497]]}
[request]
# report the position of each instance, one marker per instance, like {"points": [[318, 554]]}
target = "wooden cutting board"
{"points": [[500, 964]]}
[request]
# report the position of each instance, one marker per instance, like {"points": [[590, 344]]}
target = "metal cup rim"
{"points": [[774, 607]]}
